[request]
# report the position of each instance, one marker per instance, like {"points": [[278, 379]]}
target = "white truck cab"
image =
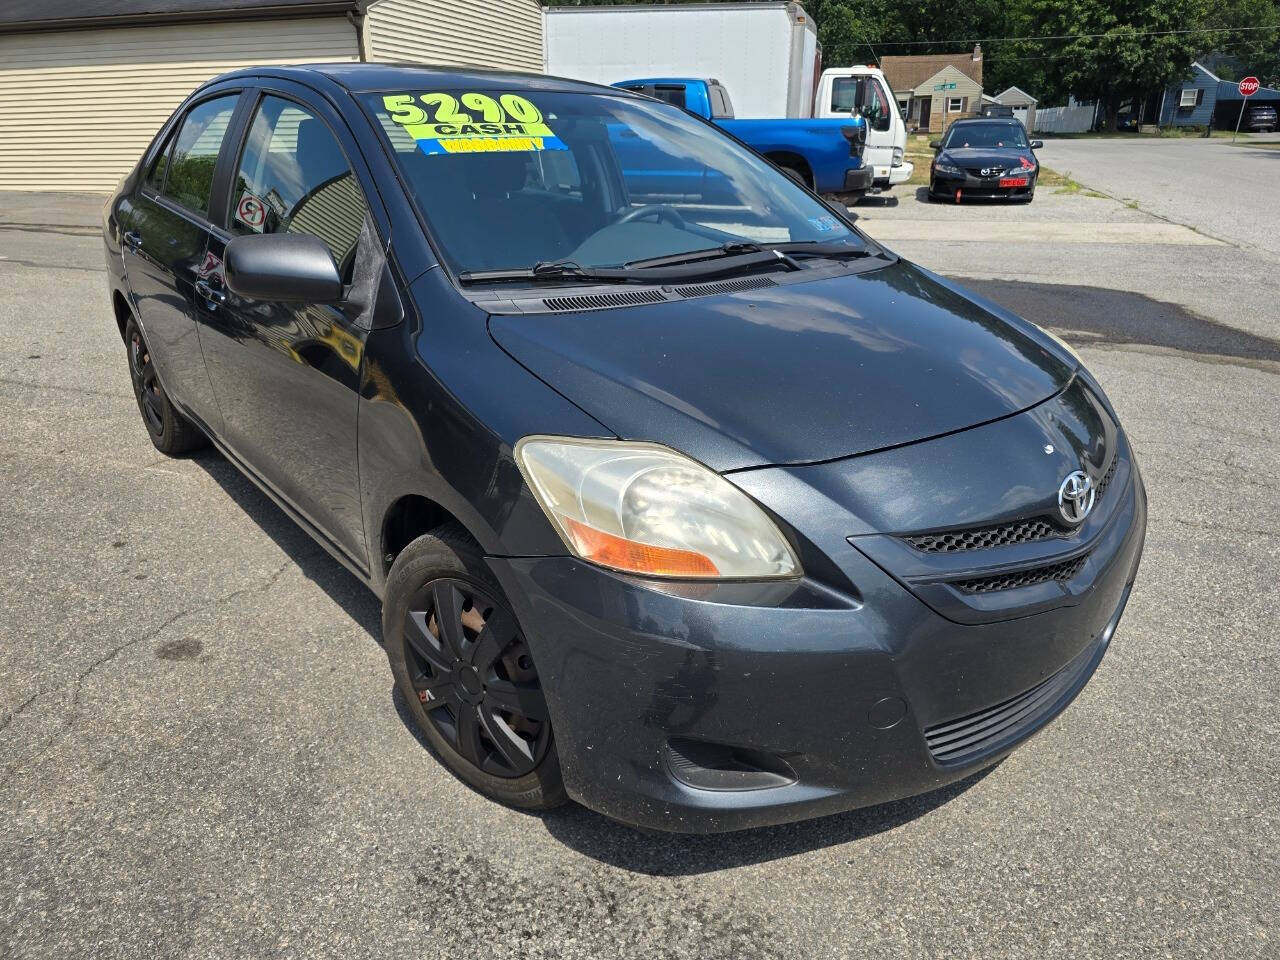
{"points": [[843, 90]]}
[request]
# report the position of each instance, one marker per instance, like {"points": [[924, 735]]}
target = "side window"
{"points": [[190, 164], [294, 178], [159, 166], [844, 94]]}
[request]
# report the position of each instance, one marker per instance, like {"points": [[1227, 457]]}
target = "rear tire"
{"points": [[171, 433], [466, 674]]}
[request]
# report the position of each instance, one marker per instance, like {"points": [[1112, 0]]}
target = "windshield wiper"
{"points": [[822, 248], [545, 271]]}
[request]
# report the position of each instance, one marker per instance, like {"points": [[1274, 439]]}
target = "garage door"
{"points": [[77, 107], [1020, 113]]}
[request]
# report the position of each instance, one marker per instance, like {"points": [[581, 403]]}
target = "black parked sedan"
{"points": [[984, 159], [707, 515]]}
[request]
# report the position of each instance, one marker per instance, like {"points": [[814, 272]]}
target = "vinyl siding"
{"points": [[78, 107], [487, 33], [1174, 115]]}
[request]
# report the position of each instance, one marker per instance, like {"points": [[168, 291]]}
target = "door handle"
{"points": [[133, 238], [209, 293]]}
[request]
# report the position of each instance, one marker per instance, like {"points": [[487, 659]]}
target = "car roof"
{"points": [[990, 121], [371, 77]]}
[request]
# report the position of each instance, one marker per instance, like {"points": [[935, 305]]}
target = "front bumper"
{"points": [[988, 188], [840, 698]]}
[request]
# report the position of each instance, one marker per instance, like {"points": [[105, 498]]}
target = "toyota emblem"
{"points": [[1076, 496]]}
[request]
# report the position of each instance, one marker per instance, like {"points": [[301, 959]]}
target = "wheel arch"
{"points": [[120, 306], [786, 158], [406, 519]]}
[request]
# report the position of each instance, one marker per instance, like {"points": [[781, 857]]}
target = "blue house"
{"points": [[1205, 97]]}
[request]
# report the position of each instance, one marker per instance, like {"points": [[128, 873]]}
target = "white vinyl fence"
{"points": [[1076, 118]]}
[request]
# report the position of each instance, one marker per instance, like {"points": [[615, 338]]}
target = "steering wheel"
{"points": [[658, 211]]}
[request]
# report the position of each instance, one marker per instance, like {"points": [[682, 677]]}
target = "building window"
{"points": [[955, 104]]}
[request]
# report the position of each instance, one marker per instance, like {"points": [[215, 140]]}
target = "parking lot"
{"points": [[201, 754]]}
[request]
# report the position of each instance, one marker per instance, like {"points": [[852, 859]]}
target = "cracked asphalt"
{"points": [[201, 754]]}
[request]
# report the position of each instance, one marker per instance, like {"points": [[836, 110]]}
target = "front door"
{"points": [[287, 375], [165, 231], [926, 106]]}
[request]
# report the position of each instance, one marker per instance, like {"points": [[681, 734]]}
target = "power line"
{"points": [[1075, 36]]}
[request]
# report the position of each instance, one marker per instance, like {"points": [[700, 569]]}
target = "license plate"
{"points": [[1013, 181]]}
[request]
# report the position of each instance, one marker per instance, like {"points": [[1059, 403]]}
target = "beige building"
{"points": [[933, 90], [85, 84]]}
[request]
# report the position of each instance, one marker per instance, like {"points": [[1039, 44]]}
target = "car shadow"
{"points": [[678, 855], [578, 828], [663, 854], [343, 587]]}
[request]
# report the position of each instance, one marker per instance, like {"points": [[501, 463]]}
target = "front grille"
{"points": [[993, 171], [979, 538], [1022, 578], [967, 739], [1028, 530], [1106, 479]]}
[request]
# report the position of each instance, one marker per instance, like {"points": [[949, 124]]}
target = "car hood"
{"points": [[795, 373], [1006, 158]]}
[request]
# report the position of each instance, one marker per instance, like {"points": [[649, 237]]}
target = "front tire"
{"points": [[466, 673], [171, 433]]}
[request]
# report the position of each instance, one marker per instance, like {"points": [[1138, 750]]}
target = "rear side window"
{"points": [[294, 178], [188, 177], [671, 94]]}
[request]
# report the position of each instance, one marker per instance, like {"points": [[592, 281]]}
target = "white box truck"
{"points": [[767, 54]]}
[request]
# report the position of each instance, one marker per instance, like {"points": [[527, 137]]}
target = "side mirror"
{"points": [[282, 266], [1037, 144], [935, 144]]}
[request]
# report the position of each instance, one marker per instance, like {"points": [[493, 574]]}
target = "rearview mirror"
{"points": [[282, 266], [1037, 144], [935, 144]]}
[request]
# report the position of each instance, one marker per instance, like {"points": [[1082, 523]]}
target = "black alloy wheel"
{"points": [[170, 431], [471, 670], [146, 384], [467, 672]]}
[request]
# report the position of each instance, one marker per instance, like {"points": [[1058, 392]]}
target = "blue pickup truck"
{"points": [[826, 154]]}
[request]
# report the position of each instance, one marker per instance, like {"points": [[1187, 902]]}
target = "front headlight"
{"points": [[942, 167], [647, 509]]}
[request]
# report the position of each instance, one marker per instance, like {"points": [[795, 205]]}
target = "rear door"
{"points": [[287, 375], [165, 230]]}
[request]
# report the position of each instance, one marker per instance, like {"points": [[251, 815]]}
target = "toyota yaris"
{"points": [[684, 498]]}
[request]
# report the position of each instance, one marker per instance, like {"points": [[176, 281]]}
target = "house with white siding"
{"points": [[85, 84]]}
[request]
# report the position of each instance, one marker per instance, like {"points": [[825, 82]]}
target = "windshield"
{"points": [[508, 180], [986, 135]]}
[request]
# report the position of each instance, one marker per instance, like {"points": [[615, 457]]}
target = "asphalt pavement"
{"points": [[1225, 190], [201, 754]]}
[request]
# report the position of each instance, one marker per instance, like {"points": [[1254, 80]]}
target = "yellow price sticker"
{"points": [[471, 123]]}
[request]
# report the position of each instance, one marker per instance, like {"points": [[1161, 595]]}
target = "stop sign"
{"points": [[1249, 86]]}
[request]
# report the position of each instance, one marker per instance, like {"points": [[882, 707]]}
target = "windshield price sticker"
{"points": [[471, 123]]}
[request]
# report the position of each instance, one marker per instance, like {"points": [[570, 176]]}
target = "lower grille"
{"points": [[970, 738], [1022, 578]]}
